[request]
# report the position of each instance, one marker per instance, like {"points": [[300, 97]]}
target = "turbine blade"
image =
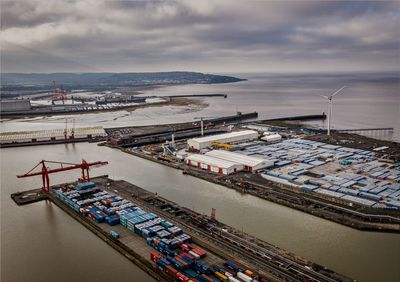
{"points": [[337, 91], [326, 97]]}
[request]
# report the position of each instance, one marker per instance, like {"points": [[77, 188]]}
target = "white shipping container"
{"points": [[233, 279], [193, 254], [227, 274], [244, 277]]}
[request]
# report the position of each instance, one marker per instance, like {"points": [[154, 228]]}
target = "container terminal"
{"points": [[72, 134], [61, 102], [169, 242], [347, 181], [346, 178]]}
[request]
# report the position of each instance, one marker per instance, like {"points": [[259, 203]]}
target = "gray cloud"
{"points": [[225, 35]]}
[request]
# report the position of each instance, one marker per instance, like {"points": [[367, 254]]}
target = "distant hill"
{"points": [[23, 82]]}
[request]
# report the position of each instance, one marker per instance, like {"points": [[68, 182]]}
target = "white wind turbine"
{"points": [[330, 107]]}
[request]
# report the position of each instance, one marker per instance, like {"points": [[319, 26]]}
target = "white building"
{"points": [[213, 164], [14, 105], [250, 163], [231, 137], [51, 135], [271, 137]]}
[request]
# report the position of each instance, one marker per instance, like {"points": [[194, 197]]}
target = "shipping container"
{"points": [[190, 273], [220, 276], [231, 266], [200, 252], [171, 271], [162, 263], [206, 278], [249, 273], [201, 267], [195, 255], [244, 277], [114, 234], [181, 277], [84, 186], [154, 256]]}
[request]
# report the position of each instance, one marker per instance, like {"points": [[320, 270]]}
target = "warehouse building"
{"points": [[51, 135], [213, 164], [231, 137], [14, 105], [250, 163]]}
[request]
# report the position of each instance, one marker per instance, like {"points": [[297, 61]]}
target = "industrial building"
{"points": [[231, 137], [51, 135], [250, 163], [213, 164], [14, 105], [271, 137]]}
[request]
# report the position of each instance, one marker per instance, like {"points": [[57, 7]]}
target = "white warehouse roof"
{"points": [[56, 133], [253, 162], [211, 161], [204, 142]]}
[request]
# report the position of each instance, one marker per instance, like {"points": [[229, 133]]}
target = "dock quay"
{"points": [[137, 136], [29, 197], [339, 212], [298, 118], [334, 178], [223, 246], [54, 136], [77, 109]]}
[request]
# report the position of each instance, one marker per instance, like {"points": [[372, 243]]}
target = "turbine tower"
{"points": [[330, 107]]}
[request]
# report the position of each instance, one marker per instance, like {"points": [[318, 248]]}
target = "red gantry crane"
{"points": [[64, 166], [59, 93]]}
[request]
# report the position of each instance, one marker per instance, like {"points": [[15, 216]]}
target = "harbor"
{"points": [[241, 211], [351, 186], [183, 141]]}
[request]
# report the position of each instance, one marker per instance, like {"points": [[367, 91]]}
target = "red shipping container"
{"points": [[200, 252], [187, 255], [171, 271], [181, 261], [184, 248], [154, 256], [181, 277]]}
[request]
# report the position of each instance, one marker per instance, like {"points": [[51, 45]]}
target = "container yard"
{"points": [[351, 186], [18, 108], [173, 243], [315, 167]]}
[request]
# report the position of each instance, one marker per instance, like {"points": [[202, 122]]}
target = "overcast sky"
{"points": [[199, 35]]}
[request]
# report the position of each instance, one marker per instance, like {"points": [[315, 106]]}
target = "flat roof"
{"points": [[18, 135], [212, 161], [224, 135], [237, 158]]}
